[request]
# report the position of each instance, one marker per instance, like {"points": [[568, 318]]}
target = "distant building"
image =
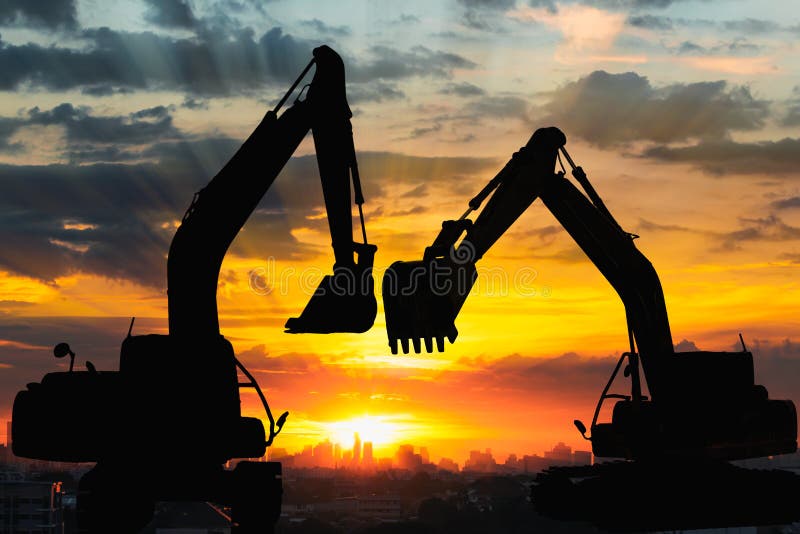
{"points": [[384, 464], [561, 454], [356, 449], [448, 465], [406, 459], [532, 463], [482, 462], [28, 506], [276, 454], [368, 459], [6, 457], [305, 458], [423, 453], [582, 457], [323, 454]]}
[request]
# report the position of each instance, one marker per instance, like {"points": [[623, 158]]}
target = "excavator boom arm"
{"points": [[220, 209], [530, 174]]}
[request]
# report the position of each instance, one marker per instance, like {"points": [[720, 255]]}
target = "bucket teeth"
{"points": [[420, 307]]}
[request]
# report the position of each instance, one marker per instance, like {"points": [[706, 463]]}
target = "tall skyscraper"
{"points": [[423, 453], [368, 459], [356, 449]]}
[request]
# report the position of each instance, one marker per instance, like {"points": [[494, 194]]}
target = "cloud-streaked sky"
{"points": [[684, 114]]}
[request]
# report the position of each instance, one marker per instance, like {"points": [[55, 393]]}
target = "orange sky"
{"points": [[683, 117]]}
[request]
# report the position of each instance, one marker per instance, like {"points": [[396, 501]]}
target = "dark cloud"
{"points": [[170, 13], [792, 117], [649, 226], [391, 64], [542, 376], [414, 210], [194, 103], [786, 203], [416, 133], [213, 63], [737, 47], [731, 157], [607, 109], [503, 106], [476, 20], [115, 220], [650, 22], [320, 27], [792, 114], [631, 4], [87, 134], [770, 228], [406, 18], [484, 15], [119, 207], [688, 48], [750, 26], [462, 89], [765, 229], [83, 128], [8, 127], [39, 14], [488, 4], [417, 192], [550, 5], [376, 91]]}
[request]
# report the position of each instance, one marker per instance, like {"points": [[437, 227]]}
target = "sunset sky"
{"points": [[684, 114]]}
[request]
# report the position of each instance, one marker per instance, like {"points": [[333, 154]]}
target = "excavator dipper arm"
{"points": [[220, 210]]}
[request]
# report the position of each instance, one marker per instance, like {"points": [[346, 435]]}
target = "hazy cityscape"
{"points": [[331, 488]]}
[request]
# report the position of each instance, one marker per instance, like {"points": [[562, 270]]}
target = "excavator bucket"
{"points": [[343, 302], [421, 300]]}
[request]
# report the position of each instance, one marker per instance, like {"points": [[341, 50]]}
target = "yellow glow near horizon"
{"points": [[381, 430]]}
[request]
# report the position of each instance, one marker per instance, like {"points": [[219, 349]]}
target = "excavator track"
{"points": [[640, 496]]}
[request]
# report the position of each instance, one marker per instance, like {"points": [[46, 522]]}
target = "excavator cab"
{"points": [[709, 408]]}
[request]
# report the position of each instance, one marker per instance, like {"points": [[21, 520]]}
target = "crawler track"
{"points": [[648, 496]]}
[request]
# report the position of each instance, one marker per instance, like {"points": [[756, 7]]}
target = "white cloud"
{"points": [[586, 30]]}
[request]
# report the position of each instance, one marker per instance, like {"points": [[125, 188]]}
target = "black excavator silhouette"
{"points": [[162, 427], [702, 407]]}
